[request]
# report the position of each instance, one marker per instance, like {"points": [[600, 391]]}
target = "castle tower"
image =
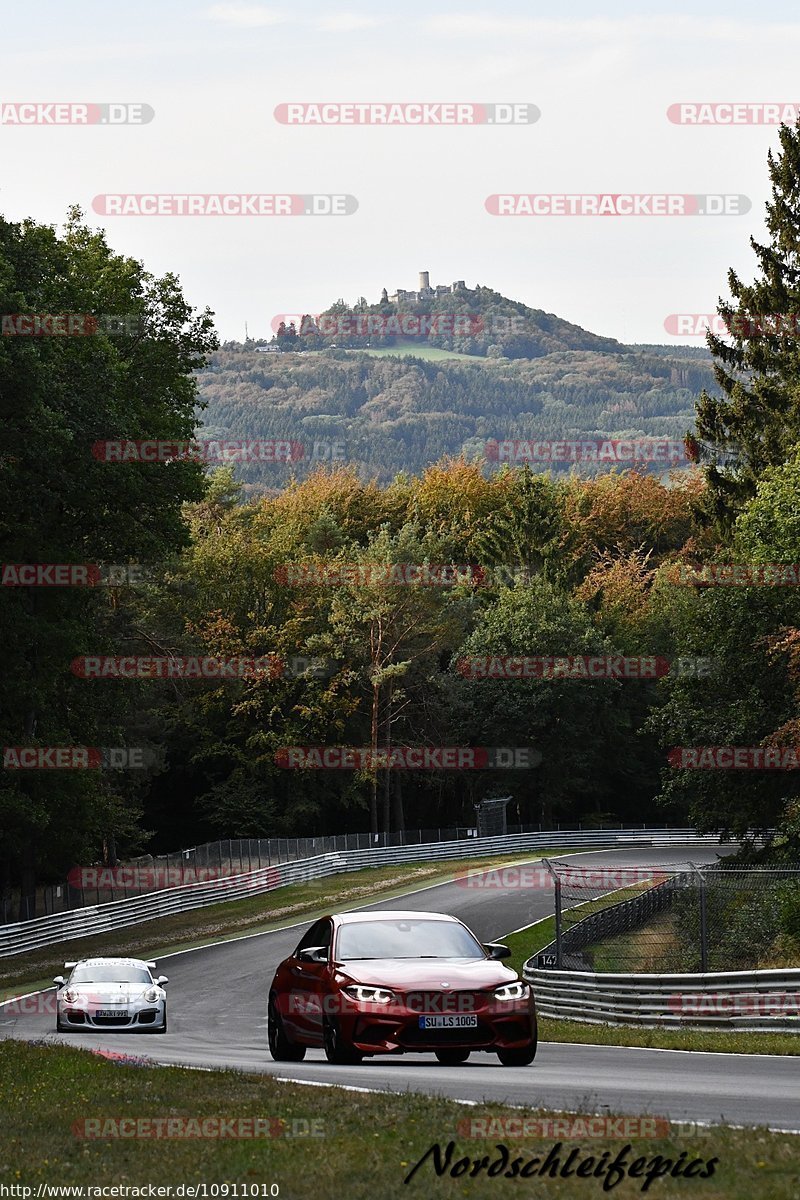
{"points": [[424, 281]]}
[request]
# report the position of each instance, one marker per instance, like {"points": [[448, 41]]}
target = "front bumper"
{"points": [[145, 1019], [500, 1026]]}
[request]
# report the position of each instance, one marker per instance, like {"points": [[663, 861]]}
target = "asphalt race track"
{"points": [[217, 1018]]}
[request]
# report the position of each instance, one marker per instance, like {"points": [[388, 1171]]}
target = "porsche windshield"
{"points": [[115, 973], [406, 939]]}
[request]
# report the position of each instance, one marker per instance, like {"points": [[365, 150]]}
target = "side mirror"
{"points": [[59, 981], [162, 979], [314, 954], [497, 951]]}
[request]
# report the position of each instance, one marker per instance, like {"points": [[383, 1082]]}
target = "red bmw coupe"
{"points": [[382, 982]]}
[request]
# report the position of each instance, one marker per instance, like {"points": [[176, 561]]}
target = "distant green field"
{"points": [[418, 350]]}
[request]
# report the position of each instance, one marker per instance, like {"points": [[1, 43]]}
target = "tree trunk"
{"points": [[109, 850], [27, 894], [387, 782], [399, 821], [373, 799], [6, 897]]}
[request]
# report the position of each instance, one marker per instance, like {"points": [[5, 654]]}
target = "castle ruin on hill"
{"points": [[425, 291]]}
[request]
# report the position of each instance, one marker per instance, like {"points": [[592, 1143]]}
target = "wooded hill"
{"points": [[400, 413]]}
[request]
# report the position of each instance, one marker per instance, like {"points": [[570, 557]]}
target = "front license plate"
{"points": [[450, 1021], [111, 1012]]}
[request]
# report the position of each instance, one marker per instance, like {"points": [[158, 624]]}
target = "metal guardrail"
{"points": [[759, 1001], [119, 914]]}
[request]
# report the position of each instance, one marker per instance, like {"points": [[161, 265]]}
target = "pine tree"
{"points": [[757, 421]]}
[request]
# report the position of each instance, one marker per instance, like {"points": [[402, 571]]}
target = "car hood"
{"points": [[456, 973]]}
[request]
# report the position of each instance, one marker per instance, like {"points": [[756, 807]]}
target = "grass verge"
{"points": [[366, 1145], [657, 946]]}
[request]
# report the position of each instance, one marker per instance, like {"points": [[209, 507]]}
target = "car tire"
{"points": [[336, 1049], [521, 1056], [452, 1058], [59, 1027], [163, 1028], [281, 1049]]}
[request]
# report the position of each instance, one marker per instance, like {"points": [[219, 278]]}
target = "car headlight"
{"points": [[512, 991], [368, 995], [152, 995], [70, 996]]}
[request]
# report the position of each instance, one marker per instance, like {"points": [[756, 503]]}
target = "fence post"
{"points": [[703, 923], [702, 907], [557, 909]]}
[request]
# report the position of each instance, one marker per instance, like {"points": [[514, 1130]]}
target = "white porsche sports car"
{"points": [[111, 993]]}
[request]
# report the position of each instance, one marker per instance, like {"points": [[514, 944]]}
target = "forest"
{"points": [[385, 415]]}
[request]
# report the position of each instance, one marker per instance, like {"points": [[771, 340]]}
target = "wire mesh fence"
{"points": [[666, 919]]}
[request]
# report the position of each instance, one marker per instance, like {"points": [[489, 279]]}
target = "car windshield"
{"points": [[406, 939], [115, 973]]}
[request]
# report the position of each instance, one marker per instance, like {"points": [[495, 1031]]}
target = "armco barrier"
{"points": [[758, 1001], [119, 914]]}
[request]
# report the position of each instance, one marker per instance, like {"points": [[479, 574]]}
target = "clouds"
{"points": [[256, 16], [245, 16], [656, 27]]}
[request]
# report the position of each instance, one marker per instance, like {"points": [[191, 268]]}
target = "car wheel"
{"points": [[336, 1049], [59, 1027], [518, 1057], [163, 1028], [452, 1058], [281, 1049]]}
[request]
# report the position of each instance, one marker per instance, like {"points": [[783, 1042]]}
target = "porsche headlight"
{"points": [[70, 996], [368, 995], [152, 995], [512, 991]]}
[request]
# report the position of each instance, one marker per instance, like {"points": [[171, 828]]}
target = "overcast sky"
{"points": [[214, 73]]}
